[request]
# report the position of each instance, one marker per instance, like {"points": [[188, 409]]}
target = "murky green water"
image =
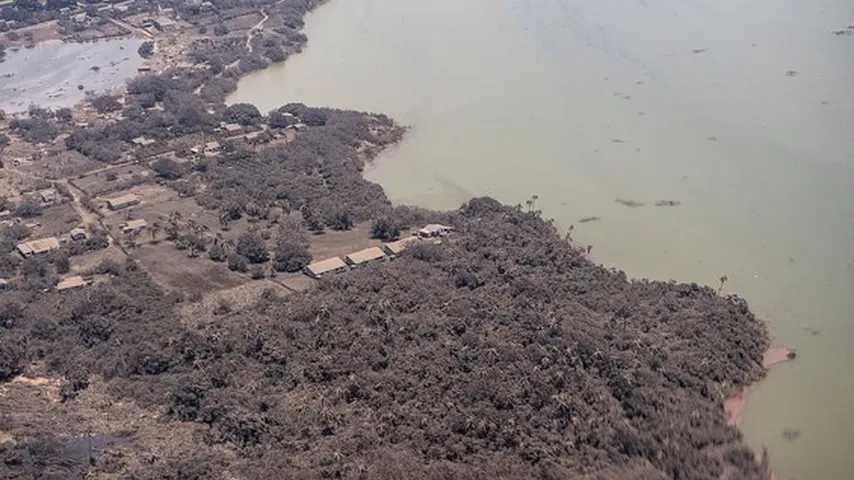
{"points": [[742, 111]]}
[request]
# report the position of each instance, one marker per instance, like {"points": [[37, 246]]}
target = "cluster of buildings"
{"points": [[46, 245], [389, 250]]}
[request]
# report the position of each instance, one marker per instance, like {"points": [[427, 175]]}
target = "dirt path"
{"points": [[256, 28], [88, 218]]}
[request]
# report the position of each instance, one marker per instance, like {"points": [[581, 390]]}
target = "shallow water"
{"points": [[49, 74], [742, 112]]}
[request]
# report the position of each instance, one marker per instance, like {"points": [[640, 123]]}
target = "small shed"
{"points": [[212, 149], [435, 230], [232, 128], [143, 141], [133, 226], [398, 247], [122, 201], [75, 281], [324, 267], [38, 247], [48, 196], [365, 256]]}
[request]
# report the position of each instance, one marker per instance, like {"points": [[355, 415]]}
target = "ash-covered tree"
{"points": [[106, 104], [279, 119], [217, 253], [237, 263], [242, 113], [291, 253], [252, 246], [340, 219], [385, 228], [64, 114], [167, 168], [28, 207], [146, 50], [313, 220]]}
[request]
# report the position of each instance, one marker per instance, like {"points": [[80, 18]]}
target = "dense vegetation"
{"points": [[504, 352]]}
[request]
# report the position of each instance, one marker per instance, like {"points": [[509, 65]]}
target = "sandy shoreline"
{"points": [[735, 405]]}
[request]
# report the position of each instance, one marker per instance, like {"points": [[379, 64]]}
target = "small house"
{"points": [[38, 247], [123, 201], [398, 247], [435, 230], [212, 149], [75, 281], [48, 196], [133, 226], [260, 136], [365, 256], [232, 128], [143, 141], [317, 270]]}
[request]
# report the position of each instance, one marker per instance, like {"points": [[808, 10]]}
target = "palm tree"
{"points": [[723, 279]]}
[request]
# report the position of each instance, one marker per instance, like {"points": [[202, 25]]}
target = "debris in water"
{"points": [[791, 434], [668, 203], [712, 139], [617, 140], [589, 219], [629, 203], [841, 32], [698, 50], [812, 331], [791, 73]]}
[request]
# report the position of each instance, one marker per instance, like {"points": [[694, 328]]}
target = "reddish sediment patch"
{"points": [[735, 405]]}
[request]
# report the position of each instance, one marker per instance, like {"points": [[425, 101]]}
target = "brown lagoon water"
{"points": [[742, 111], [48, 74]]}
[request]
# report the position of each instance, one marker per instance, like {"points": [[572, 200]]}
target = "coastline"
{"points": [[735, 405]]}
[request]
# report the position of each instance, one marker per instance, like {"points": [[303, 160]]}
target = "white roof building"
{"points": [[398, 247], [323, 267], [364, 256], [434, 230], [38, 247], [75, 281], [122, 201]]}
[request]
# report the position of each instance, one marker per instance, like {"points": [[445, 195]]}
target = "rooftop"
{"points": [[434, 229], [366, 255], [134, 225], [396, 248], [326, 266], [125, 199], [41, 245], [143, 141], [71, 282]]}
